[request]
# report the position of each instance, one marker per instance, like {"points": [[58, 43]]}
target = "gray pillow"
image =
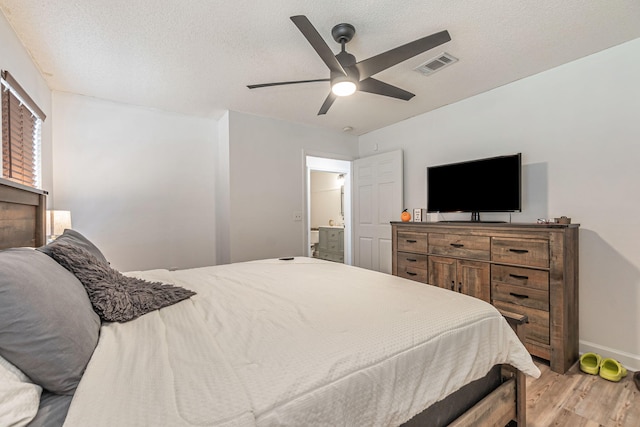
{"points": [[47, 326], [75, 238], [116, 297]]}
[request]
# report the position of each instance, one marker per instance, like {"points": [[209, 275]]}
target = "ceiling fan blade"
{"points": [[372, 85], [285, 83], [327, 104], [318, 43], [375, 64]]}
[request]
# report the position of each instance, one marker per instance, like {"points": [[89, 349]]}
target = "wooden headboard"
{"points": [[22, 215]]}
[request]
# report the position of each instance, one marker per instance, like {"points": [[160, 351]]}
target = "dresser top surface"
{"points": [[471, 224]]}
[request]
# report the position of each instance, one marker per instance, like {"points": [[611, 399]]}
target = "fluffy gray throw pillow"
{"points": [[114, 296]]}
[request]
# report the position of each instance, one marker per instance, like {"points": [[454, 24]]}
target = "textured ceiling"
{"points": [[197, 56]]}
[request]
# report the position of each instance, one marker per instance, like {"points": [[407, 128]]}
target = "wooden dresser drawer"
{"points": [[538, 326], [530, 252], [413, 273], [409, 260], [412, 242], [520, 295], [459, 245], [527, 277]]}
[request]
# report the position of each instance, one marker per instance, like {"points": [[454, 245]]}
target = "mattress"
{"points": [[297, 342]]}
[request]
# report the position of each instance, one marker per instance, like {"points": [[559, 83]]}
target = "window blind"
{"points": [[21, 127]]}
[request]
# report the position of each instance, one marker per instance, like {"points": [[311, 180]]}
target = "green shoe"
{"points": [[612, 370], [590, 363]]}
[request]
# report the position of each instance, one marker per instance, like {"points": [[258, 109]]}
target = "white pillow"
{"points": [[19, 397]]}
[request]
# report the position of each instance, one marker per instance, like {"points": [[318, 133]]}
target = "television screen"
{"points": [[484, 185]]}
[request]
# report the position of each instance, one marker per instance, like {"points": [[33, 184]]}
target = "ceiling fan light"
{"points": [[343, 88]]}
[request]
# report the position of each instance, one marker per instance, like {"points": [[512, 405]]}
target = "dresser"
{"points": [[331, 244], [529, 269]]}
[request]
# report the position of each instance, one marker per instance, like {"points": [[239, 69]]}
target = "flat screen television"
{"points": [[485, 185]]}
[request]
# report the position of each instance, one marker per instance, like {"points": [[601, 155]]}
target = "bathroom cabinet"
{"points": [[331, 244]]}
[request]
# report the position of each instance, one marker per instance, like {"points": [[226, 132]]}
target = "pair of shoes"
{"points": [[609, 369], [590, 363]]}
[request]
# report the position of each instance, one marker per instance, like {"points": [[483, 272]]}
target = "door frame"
{"points": [[323, 164]]}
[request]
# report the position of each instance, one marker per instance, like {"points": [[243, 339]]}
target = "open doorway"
{"points": [[328, 216]]}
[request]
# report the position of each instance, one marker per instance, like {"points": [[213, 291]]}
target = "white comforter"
{"points": [[295, 343]]}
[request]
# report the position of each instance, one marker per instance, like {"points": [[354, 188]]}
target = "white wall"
{"points": [[15, 59], [140, 183], [267, 182], [578, 129]]}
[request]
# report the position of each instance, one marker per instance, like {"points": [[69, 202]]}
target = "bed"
{"points": [[272, 342]]}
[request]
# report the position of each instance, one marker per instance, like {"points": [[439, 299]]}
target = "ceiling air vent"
{"points": [[436, 64]]}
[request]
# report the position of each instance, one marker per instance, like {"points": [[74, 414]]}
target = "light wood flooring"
{"points": [[576, 399]]}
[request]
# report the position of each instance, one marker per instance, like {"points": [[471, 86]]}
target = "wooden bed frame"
{"points": [[22, 215], [22, 223]]}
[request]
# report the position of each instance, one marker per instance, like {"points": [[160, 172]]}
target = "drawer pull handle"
{"points": [[412, 260], [518, 295], [519, 251], [412, 241], [457, 245], [411, 273], [518, 276]]}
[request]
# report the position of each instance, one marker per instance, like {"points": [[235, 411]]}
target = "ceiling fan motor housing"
{"points": [[348, 62], [346, 59]]}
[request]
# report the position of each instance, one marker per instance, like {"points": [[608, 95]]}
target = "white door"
{"points": [[377, 201]]}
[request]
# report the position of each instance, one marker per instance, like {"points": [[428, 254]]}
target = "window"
{"points": [[21, 124]]}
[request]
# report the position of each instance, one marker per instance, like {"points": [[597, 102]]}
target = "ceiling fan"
{"points": [[347, 75]]}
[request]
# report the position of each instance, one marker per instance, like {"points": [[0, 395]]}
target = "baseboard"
{"points": [[628, 360]]}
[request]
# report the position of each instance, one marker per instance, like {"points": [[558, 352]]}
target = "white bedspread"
{"points": [[296, 343]]}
